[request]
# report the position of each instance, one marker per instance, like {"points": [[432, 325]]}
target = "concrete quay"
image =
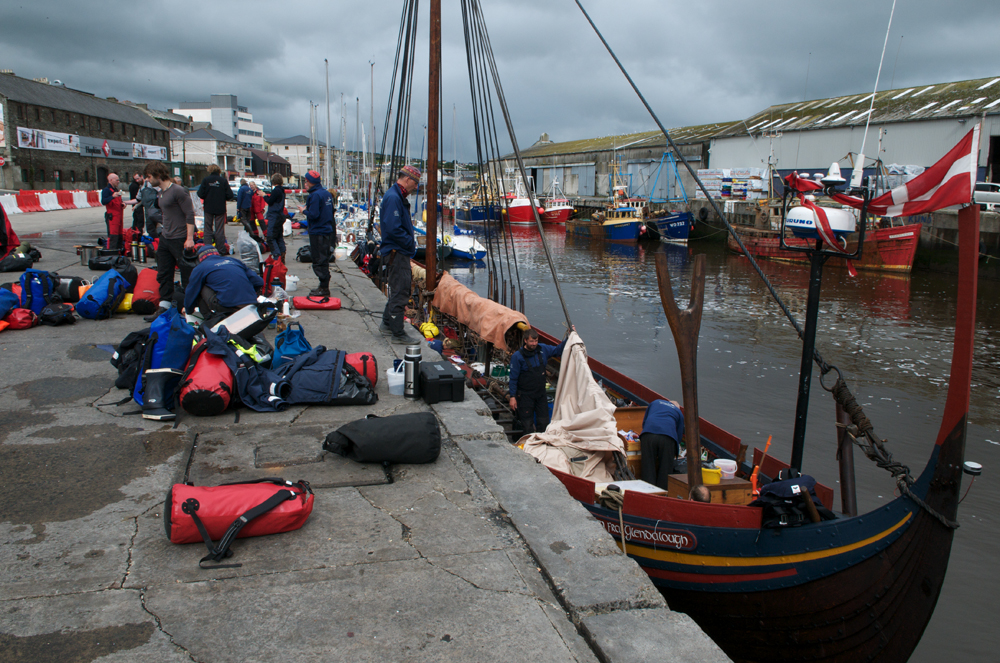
{"points": [[479, 556]]}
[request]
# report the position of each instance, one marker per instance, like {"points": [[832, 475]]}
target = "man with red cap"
{"points": [[319, 215], [398, 246]]}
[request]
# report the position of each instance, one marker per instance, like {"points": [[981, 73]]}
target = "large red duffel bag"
{"points": [[364, 363], [316, 303], [146, 294], [207, 385], [232, 511]]}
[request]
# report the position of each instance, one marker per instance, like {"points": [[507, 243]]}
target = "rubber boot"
{"points": [[158, 395]]}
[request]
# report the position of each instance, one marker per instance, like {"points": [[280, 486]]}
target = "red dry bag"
{"points": [[273, 269], [364, 363], [316, 303], [146, 294], [207, 384], [21, 318], [232, 511]]}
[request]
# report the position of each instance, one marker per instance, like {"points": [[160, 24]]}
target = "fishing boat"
{"points": [[891, 248], [673, 227], [518, 210], [557, 207]]}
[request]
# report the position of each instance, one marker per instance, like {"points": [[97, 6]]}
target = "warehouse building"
{"points": [[54, 137]]}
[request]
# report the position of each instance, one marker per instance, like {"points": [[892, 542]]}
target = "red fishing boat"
{"points": [[557, 207], [889, 249]]}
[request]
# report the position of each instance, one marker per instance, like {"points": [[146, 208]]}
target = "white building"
{"points": [[298, 152], [225, 114], [908, 126], [208, 146]]}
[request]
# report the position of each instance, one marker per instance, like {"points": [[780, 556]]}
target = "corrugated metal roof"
{"points": [[209, 134], [690, 134], [263, 155], [294, 140], [923, 102], [23, 91]]}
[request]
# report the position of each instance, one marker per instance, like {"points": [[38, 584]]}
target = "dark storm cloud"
{"points": [[696, 62]]}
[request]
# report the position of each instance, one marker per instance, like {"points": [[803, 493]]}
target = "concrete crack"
{"points": [[131, 543], [159, 626], [296, 418]]}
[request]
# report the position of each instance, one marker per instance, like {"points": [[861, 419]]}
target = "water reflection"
{"points": [[890, 334]]}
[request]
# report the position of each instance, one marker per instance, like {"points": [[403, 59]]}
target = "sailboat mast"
{"points": [[326, 171], [433, 112]]}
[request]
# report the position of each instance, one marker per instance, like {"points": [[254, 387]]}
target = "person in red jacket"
{"points": [[257, 208], [114, 213]]}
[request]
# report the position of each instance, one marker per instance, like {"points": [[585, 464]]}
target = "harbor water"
{"points": [[890, 334]]}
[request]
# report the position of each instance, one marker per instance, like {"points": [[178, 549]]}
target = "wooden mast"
{"points": [[433, 112]]}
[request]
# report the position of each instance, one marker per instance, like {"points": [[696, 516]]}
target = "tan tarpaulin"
{"points": [[583, 432], [488, 319]]}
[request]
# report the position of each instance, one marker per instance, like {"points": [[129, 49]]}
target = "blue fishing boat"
{"points": [[674, 227]]}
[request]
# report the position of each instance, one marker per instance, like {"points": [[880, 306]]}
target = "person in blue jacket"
{"points": [[398, 246], [662, 430], [219, 286], [275, 216], [527, 381], [244, 201], [319, 213]]}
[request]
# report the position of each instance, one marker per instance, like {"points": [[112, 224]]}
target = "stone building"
{"points": [[265, 164], [54, 137]]}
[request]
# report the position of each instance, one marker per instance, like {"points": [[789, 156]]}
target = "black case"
{"points": [[441, 381]]}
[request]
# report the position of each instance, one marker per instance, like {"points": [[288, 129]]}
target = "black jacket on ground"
{"points": [[214, 192]]}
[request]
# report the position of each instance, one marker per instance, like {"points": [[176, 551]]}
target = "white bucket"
{"points": [[340, 253], [291, 283], [728, 468], [395, 381]]}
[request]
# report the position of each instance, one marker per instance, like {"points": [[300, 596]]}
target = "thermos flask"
{"points": [[411, 372]]}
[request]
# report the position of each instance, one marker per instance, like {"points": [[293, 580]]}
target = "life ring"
{"points": [[350, 238]]}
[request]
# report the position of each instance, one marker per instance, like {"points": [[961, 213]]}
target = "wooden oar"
{"points": [[685, 326]]}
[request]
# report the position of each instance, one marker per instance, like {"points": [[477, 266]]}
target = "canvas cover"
{"points": [[583, 433], [487, 318]]}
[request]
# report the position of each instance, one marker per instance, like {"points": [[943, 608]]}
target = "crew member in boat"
{"points": [[662, 428], [527, 382], [398, 246]]}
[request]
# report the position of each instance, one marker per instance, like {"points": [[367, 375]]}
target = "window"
{"points": [[24, 175], [86, 176], [53, 116], [38, 113], [308, 149], [19, 109], [72, 176], [41, 175], [69, 118], [83, 121]]}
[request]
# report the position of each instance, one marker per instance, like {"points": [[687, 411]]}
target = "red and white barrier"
{"points": [[65, 199], [9, 203], [47, 201]]}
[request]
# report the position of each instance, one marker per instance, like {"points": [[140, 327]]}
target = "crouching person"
{"points": [[220, 286]]}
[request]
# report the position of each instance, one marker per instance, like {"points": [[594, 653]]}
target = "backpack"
{"points": [[304, 254], [8, 302], [57, 314], [289, 344], [102, 298], [146, 293], [273, 269], [128, 357], [125, 267], [38, 288], [365, 364], [168, 347], [207, 384], [783, 501]]}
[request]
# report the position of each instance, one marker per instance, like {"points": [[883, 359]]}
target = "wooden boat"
{"points": [[886, 249], [857, 588]]}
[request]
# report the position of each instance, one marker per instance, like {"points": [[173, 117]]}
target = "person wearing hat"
{"points": [[319, 215], [398, 246], [219, 285]]}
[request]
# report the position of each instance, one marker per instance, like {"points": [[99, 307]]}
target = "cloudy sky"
{"points": [[696, 61]]}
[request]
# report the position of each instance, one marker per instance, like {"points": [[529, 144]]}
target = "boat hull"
{"points": [[674, 228], [476, 213], [886, 249], [622, 231], [557, 215], [521, 215]]}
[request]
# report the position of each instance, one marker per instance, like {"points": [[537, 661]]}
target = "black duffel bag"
{"points": [[402, 438], [304, 254], [102, 263]]}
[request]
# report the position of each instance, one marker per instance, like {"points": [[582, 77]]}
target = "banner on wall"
{"points": [[47, 140], [109, 149], [143, 151], [3, 129]]}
